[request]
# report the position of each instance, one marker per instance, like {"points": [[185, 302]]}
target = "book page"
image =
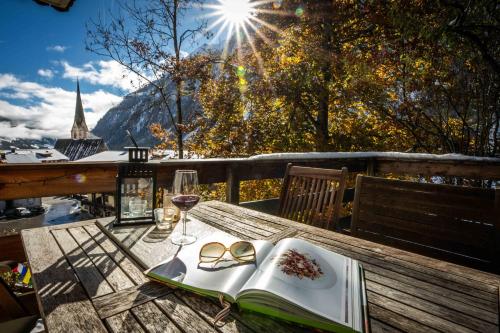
{"points": [[315, 279], [226, 276]]}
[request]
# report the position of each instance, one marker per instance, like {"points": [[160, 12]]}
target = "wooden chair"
{"points": [[17, 314], [459, 224], [312, 195], [10, 305]]}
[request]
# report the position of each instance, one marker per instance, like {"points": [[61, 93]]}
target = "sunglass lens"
{"points": [[211, 252], [243, 251]]}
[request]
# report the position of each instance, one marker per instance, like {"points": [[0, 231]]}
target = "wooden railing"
{"points": [[39, 180]]}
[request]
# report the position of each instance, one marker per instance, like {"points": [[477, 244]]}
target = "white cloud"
{"points": [[106, 73], [57, 48], [48, 73], [46, 111]]}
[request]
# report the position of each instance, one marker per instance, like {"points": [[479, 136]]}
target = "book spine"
{"points": [[364, 302]]}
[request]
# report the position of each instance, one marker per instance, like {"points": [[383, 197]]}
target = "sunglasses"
{"points": [[241, 251]]}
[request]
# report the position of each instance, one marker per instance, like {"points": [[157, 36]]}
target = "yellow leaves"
{"points": [[346, 47], [454, 126], [354, 126], [382, 72], [290, 60], [259, 189], [277, 103], [392, 95], [242, 82], [422, 65]]}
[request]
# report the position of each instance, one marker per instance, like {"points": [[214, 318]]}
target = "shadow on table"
{"points": [[156, 235]]}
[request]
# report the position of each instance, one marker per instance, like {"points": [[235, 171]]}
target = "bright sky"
{"points": [[42, 51]]}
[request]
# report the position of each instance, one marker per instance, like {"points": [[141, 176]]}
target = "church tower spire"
{"points": [[79, 130]]}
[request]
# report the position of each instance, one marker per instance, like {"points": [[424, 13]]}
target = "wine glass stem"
{"points": [[184, 220]]}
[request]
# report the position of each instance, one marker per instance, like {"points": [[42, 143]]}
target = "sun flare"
{"points": [[236, 12], [238, 20]]}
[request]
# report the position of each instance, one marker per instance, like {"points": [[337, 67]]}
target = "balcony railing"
{"points": [[39, 180]]}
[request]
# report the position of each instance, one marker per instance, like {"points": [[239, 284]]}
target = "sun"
{"points": [[239, 20], [236, 12]]}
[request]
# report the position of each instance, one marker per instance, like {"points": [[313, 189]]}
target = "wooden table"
{"points": [[88, 277]]}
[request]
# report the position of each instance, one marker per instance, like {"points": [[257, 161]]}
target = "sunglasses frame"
{"points": [[228, 249]]}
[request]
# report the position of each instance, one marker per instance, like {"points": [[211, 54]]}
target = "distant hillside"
{"points": [[136, 113], [5, 144]]}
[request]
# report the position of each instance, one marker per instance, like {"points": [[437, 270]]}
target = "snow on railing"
{"points": [[373, 155]]}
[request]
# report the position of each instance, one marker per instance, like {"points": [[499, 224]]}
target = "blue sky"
{"points": [[42, 51], [29, 33]]}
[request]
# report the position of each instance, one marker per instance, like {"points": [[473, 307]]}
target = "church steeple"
{"points": [[79, 129]]}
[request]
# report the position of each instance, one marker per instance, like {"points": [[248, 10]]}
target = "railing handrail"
{"points": [[377, 155], [37, 180], [299, 156]]}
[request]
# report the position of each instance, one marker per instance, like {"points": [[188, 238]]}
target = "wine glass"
{"points": [[185, 197]]}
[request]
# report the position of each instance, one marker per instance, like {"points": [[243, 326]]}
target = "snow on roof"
{"points": [[49, 155], [106, 156], [34, 156], [21, 158], [399, 155]]}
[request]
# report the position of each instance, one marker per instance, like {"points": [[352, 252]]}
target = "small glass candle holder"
{"points": [[163, 222], [170, 211], [137, 207]]}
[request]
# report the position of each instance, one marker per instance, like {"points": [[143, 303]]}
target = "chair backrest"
{"points": [[460, 224], [313, 195], [10, 306]]}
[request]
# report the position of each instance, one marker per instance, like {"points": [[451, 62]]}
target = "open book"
{"points": [[293, 280]]}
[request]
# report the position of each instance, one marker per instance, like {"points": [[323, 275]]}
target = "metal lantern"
{"points": [[135, 189]]}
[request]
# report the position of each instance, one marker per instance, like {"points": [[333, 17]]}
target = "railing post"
{"points": [[232, 185], [370, 167], [496, 211]]}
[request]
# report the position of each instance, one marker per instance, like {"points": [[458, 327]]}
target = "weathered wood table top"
{"points": [[88, 277]]}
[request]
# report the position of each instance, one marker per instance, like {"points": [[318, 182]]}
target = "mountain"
{"points": [[136, 113], [142, 108], [6, 144]]}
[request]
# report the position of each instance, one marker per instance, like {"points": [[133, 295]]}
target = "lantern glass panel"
{"points": [[136, 197]]}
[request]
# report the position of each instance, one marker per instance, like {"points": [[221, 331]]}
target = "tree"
{"points": [[359, 75], [148, 40], [442, 86]]}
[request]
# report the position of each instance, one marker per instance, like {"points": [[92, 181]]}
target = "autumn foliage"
{"points": [[417, 76], [356, 76]]}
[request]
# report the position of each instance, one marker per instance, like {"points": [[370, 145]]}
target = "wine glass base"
{"points": [[180, 239]]}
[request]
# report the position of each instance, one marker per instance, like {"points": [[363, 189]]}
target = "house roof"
{"points": [[46, 155], [21, 158], [107, 156], [78, 149], [34, 156]]}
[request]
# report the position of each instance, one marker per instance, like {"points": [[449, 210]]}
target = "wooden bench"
{"points": [[313, 195], [459, 224]]}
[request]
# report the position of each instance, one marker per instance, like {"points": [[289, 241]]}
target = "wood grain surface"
{"points": [[89, 277]]}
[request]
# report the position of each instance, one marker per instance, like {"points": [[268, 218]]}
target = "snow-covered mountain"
{"points": [[140, 109], [6, 144], [136, 113]]}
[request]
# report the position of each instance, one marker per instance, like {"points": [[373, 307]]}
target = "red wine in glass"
{"points": [[186, 196], [185, 201]]}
